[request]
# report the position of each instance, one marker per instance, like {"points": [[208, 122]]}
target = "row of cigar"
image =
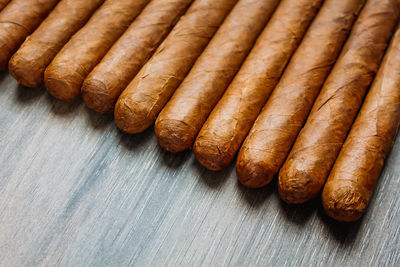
{"points": [[309, 89]]}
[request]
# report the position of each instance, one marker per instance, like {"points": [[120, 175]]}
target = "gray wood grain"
{"points": [[75, 191]]}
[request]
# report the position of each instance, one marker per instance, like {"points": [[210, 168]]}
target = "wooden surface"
{"points": [[75, 191]]}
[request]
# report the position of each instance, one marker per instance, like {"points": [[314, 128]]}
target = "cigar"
{"points": [[353, 178]]}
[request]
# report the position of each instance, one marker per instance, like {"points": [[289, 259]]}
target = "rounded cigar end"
{"points": [[97, 97], [252, 171], [213, 153], [26, 72], [344, 201], [173, 135], [297, 186], [131, 117], [59, 86]]}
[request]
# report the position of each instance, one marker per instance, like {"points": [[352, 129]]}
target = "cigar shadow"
{"points": [[212, 179], [26, 95], [3, 79], [134, 142], [63, 108], [173, 160], [300, 214], [344, 233], [97, 120], [256, 197]]}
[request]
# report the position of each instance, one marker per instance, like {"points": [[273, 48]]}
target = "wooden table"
{"points": [[75, 191]]}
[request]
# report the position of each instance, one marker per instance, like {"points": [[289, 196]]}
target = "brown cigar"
{"points": [[29, 62], [152, 87], [17, 20], [352, 180], [272, 135], [65, 74], [317, 146], [181, 119], [229, 122], [105, 83]]}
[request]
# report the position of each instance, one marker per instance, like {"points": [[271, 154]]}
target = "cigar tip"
{"points": [[253, 172], [26, 72], [212, 153], [174, 135], [96, 96], [60, 86], [297, 186], [344, 201], [132, 117]]}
